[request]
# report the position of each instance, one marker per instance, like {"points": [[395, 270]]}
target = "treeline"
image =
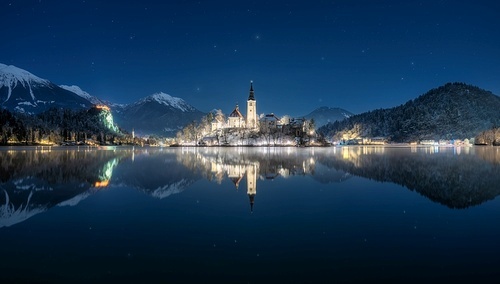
{"points": [[489, 137], [452, 111], [57, 126]]}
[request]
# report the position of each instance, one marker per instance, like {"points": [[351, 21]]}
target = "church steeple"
{"points": [[252, 201], [251, 96]]}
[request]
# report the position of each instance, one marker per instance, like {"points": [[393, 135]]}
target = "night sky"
{"points": [[357, 55]]}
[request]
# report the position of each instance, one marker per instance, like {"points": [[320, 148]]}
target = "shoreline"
{"points": [[107, 147]]}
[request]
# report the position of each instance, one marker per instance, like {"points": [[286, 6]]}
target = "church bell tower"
{"points": [[251, 109]]}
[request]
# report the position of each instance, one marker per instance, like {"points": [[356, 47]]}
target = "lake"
{"points": [[250, 215]]}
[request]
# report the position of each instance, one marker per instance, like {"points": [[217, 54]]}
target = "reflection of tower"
{"points": [[235, 173], [251, 109], [251, 183]]}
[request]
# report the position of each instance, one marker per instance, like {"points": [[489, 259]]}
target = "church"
{"points": [[236, 119]]}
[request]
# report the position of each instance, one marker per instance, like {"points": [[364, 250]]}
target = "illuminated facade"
{"points": [[251, 109], [236, 119]]}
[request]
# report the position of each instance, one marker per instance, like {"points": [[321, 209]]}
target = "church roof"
{"points": [[270, 116], [236, 112], [236, 181]]}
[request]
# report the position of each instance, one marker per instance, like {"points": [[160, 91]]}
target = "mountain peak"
{"points": [[325, 114], [158, 113], [10, 75], [21, 91], [168, 100]]}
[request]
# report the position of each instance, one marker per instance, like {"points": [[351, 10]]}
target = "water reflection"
{"points": [[455, 177], [32, 181]]}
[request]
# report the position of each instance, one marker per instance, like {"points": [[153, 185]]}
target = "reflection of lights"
{"points": [[345, 153], [43, 149], [107, 172]]}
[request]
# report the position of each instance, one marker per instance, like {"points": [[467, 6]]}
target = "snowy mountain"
{"points": [[159, 114], [324, 115], [169, 101], [77, 90], [21, 91]]}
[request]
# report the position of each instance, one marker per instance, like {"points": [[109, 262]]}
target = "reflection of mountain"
{"points": [[457, 180], [34, 181], [454, 177], [156, 173], [325, 175]]}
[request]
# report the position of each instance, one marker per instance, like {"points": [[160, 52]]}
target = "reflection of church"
{"points": [[236, 173], [237, 165], [252, 183]]}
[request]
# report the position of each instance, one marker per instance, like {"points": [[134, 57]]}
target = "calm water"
{"points": [[250, 215]]}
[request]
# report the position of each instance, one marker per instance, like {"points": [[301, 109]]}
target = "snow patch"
{"points": [[26, 104], [19, 109], [75, 200], [9, 215], [167, 190]]}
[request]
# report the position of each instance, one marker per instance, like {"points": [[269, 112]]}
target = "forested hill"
{"points": [[452, 111], [56, 126]]}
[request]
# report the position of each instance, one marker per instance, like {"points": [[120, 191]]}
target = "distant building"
{"points": [[269, 122], [218, 123]]}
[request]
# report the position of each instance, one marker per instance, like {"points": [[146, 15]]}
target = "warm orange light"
{"points": [[102, 107], [103, 183]]}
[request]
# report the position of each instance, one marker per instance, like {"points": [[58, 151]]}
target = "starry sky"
{"points": [[356, 55]]}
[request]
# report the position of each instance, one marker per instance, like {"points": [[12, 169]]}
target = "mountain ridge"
{"points": [[451, 111], [23, 92], [159, 114], [324, 114]]}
